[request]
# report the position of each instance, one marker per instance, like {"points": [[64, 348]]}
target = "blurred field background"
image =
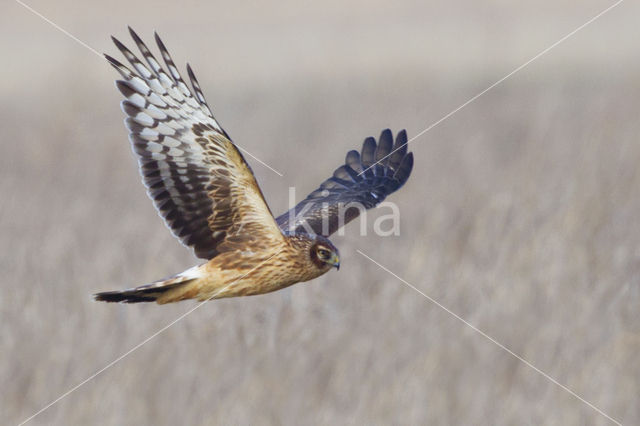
{"points": [[521, 216]]}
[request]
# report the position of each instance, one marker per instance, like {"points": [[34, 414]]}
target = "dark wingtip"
{"points": [[118, 43], [121, 297], [404, 171], [108, 296], [159, 41], [123, 70], [402, 135], [385, 145], [368, 150], [110, 59], [386, 133], [134, 35], [410, 161]]}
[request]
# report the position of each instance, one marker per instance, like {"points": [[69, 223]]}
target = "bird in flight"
{"points": [[207, 194]]}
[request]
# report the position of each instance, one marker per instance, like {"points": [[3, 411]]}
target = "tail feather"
{"points": [[148, 292]]}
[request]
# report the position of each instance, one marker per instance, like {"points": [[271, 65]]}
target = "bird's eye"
{"points": [[323, 254]]}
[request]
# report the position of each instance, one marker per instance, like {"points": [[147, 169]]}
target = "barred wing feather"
{"points": [[198, 180], [362, 182]]}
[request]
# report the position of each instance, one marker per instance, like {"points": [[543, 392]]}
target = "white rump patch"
{"points": [[191, 273]]}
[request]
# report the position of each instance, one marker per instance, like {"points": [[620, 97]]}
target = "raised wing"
{"points": [[342, 197], [198, 180]]}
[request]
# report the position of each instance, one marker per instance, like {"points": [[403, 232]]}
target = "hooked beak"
{"points": [[335, 261]]}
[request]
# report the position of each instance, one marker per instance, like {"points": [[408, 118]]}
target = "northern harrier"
{"points": [[207, 195]]}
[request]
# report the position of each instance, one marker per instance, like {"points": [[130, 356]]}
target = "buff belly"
{"points": [[218, 283]]}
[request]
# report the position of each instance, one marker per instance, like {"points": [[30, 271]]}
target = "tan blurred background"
{"points": [[521, 216]]}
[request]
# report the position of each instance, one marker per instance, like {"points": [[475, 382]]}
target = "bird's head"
{"points": [[324, 254]]}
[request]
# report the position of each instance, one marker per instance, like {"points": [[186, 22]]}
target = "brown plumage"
{"points": [[208, 196]]}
